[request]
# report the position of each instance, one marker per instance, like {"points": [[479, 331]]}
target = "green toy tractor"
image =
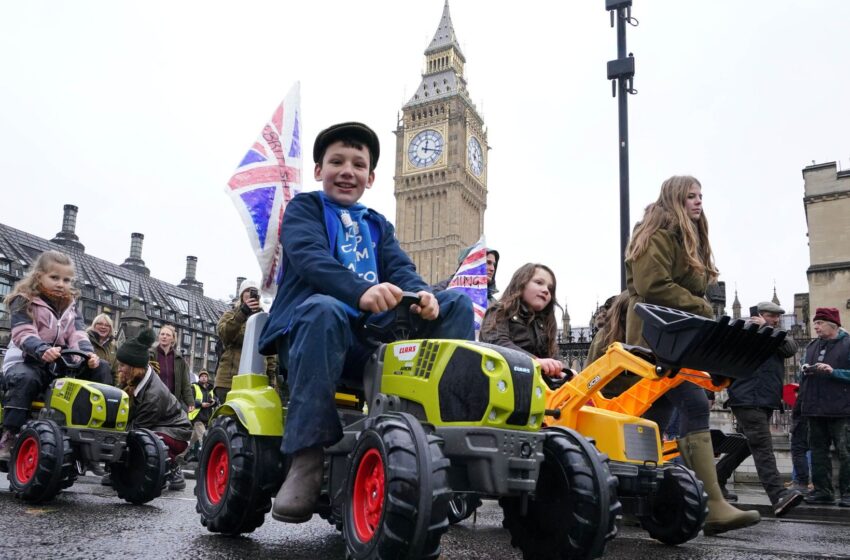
{"points": [[78, 423], [442, 418]]}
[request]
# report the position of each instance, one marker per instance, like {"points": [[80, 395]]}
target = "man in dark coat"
{"points": [[825, 403], [152, 405], [753, 401]]}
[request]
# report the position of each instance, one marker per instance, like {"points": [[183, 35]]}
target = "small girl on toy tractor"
{"points": [[44, 321]]}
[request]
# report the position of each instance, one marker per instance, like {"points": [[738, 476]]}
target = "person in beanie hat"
{"points": [[152, 405], [829, 314], [825, 402], [231, 332]]}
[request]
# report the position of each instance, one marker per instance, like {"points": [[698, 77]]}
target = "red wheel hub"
{"points": [[218, 473], [26, 461], [368, 499]]}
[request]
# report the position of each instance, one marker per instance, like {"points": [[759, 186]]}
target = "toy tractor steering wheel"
{"points": [[70, 362], [402, 324]]}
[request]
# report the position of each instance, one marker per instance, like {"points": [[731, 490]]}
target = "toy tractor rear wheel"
{"points": [[237, 475], [462, 506], [140, 476], [397, 491], [41, 460], [679, 508], [573, 512]]}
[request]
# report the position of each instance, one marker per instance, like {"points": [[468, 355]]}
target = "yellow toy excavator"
{"points": [[666, 498]]}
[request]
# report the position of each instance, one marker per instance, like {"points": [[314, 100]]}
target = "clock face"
{"points": [[475, 156], [425, 148]]}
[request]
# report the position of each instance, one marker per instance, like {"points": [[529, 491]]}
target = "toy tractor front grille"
{"points": [[83, 403], [464, 389]]}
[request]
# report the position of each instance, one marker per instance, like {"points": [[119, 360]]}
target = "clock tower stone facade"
{"points": [[441, 162]]}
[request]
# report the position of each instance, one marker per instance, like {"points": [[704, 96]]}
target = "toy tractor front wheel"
{"points": [[573, 512], [679, 508], [237, 475], [140, 476], [397, 491], [40, 461]]}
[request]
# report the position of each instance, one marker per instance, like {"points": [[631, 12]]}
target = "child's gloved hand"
{"points": [[428, 308], [51, 354]]}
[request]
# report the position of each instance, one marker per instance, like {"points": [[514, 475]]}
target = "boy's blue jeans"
{"points": [[321, 345]]}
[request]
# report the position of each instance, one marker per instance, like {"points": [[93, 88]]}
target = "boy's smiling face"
{"points": [[344, 173]]}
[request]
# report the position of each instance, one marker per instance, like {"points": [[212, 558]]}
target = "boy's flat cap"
{"points": [[352, 130]]}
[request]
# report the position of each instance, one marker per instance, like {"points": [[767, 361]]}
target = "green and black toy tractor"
{"points": [[80, 423], [442, 418]]}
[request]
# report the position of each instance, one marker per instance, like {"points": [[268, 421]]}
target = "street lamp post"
{"points": [[622, 71]]}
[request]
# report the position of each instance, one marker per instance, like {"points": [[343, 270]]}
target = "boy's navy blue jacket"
{"points": [[309, 266]]}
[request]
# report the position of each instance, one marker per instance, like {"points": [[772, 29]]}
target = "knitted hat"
{"points": [[348, 131], [247, 285], [828, 314], [134, 352]]}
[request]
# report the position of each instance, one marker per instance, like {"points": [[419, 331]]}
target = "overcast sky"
{"points": [[139, 113]]}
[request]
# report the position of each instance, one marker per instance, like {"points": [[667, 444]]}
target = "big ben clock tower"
{"points": [[441, 162]]}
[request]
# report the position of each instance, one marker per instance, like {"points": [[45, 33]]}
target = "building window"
{"points": [[123, 286], [5, 287], [181, 304], [187, 339], [89, 312], [199, 346], [5, 266]]}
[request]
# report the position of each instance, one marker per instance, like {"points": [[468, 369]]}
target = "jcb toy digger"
{"points": [[666, 498]]}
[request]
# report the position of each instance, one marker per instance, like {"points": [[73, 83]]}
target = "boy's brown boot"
{"points": [[698, 454], [296, 499]]}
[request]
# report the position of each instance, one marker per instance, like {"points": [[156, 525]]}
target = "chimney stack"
{"points": [[134, 261], [67, 237], [190, 283]]}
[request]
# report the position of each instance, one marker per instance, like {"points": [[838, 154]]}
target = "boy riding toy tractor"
{"points": [[440, 417]]}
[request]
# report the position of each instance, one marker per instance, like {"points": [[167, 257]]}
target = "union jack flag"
{"points": [[471, 279], [266, 180]]}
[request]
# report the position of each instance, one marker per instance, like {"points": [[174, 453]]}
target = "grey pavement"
{"points": [[752, 496]]}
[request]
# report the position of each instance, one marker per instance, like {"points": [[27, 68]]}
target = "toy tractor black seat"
{"points": [[82, 422]]}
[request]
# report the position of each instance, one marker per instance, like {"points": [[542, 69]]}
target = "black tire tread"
{"points": [[400, 534], [55, 463], [152, 467], [251, 484], [680, 509], [581, 526]]}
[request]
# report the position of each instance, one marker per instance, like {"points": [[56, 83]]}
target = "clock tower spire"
{"points": [[441, 161]]}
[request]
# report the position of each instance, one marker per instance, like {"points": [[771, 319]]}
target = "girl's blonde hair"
{"points": [[30, 285], [668, 213], [106, 319], [511, 303]]}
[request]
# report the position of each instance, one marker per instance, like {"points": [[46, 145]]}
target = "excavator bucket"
{"points": [[724, 347]]}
